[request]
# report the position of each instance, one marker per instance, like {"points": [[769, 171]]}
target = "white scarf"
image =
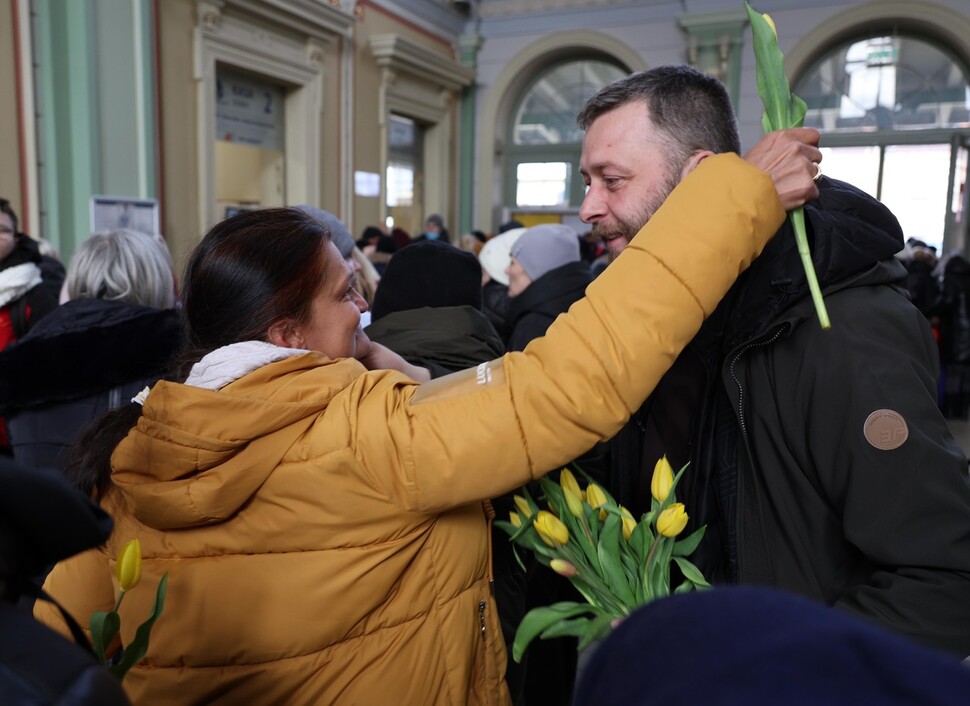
{"points": [[229, 363], [16, 281]]}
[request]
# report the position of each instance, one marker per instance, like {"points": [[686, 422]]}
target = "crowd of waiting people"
{"points": [[310, 433]]}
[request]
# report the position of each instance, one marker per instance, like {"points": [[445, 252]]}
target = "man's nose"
{"points": [[593, 207]]}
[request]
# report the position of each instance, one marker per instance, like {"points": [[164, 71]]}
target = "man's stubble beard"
{"points": [[627, 228]]}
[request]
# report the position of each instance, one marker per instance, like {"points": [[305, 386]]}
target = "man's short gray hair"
{"points": [[122, 265], [691, 110]]}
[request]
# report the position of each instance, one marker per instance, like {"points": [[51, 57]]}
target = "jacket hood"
{"points": [[853, 238], [109, 344], [197, 456]]}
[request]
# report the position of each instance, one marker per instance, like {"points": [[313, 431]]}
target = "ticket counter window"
{"points": [[250, 151]]}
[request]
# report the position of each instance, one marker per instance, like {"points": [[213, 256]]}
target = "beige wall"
{"points": [[179, 192], [367, 131], [10, 186]]}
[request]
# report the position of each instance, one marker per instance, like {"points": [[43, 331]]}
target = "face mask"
{"points": [[431, 234]]}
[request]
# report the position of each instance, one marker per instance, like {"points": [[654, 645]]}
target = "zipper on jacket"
{"points": [[481, 615], [744, 433]]}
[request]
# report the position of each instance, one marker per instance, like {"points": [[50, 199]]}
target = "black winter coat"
{"points": [[85, 358], [538, 305], [820, 462]]}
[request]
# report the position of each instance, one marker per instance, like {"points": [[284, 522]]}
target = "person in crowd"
{"points": [[114, 336], [378, 246], [45, 520], [319, 512], [740, 645], [400, 237], [546, 275], [366, 276], [434, 229], [26, 296], [921, 282], [953, 310], [494, 258], [428, 309], [815, 455], [510, 225]]}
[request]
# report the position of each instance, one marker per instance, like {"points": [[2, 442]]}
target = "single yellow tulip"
{"points": [[662, 481], [562, 567], [571, 491], [523, 506], [771, 23], [596, 498], [629, 524], [550, 528], [515, 519], [129, 565], [672, 521]]}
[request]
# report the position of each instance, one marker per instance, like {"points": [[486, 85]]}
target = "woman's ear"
{"points": [[286, 334]]}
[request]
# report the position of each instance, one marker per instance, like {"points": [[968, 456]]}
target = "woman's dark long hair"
{"points": [[249, 272]]}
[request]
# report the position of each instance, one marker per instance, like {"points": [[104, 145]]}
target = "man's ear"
{"points": [[695, 159], [286, 334]]}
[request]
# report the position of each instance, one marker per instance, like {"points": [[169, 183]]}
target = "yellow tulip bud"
{"points": [[515, 519], [129, 565], [562, 567], [569, 485], [672, 521], [523, 506], [771, 23], [629, 524], [550, 528], [596, 498], [662, 481]]}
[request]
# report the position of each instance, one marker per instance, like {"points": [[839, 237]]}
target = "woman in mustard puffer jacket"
{"points": [[322, 524]]}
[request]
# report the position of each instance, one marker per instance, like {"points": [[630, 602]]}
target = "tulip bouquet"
{"points": [[783, 109], [614, 561], [105, 625]]}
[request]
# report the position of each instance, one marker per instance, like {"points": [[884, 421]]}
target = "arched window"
{"points": [[894, 111], [544, 140]]}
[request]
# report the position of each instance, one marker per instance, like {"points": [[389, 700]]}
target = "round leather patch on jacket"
{"points": [[885, 429]]}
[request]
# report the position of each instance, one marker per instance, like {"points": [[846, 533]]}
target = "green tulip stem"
{"points": [[805, 253], [121, 595]]}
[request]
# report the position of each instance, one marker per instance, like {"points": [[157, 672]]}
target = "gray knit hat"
{"points": [[545, 247], [339, 234]]}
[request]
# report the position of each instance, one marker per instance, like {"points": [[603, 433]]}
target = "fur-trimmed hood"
{"points": [[84, 347]]}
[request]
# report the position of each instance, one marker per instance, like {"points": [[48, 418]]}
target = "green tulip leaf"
{"points": [[599, 628], [105, 626], [608, 550], [135, 652], [575, 627], [687, 545], [538, 620], [685, 587], [691, 573], [769, 71]]}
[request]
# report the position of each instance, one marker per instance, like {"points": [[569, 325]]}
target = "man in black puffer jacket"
{"points": [[819, 460]]}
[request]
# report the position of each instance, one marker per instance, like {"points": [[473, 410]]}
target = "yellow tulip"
{"points": [[596, 498], [550, 528], [629, 524], [523, 506], [662, 481], [129, 565], [771, 23], [515, 519], [562, 567], [672, 521], [571, 491]]}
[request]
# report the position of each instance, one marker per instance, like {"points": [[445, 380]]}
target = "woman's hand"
{"points": [[375, 356]]}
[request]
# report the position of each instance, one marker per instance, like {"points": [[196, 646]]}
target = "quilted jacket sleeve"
{"points": [[479, 433]]}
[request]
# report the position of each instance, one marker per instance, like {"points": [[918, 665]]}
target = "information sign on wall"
{"points": [[249, 111]]}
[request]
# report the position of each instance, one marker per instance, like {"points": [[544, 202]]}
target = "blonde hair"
{"points": [[122, 265]]}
